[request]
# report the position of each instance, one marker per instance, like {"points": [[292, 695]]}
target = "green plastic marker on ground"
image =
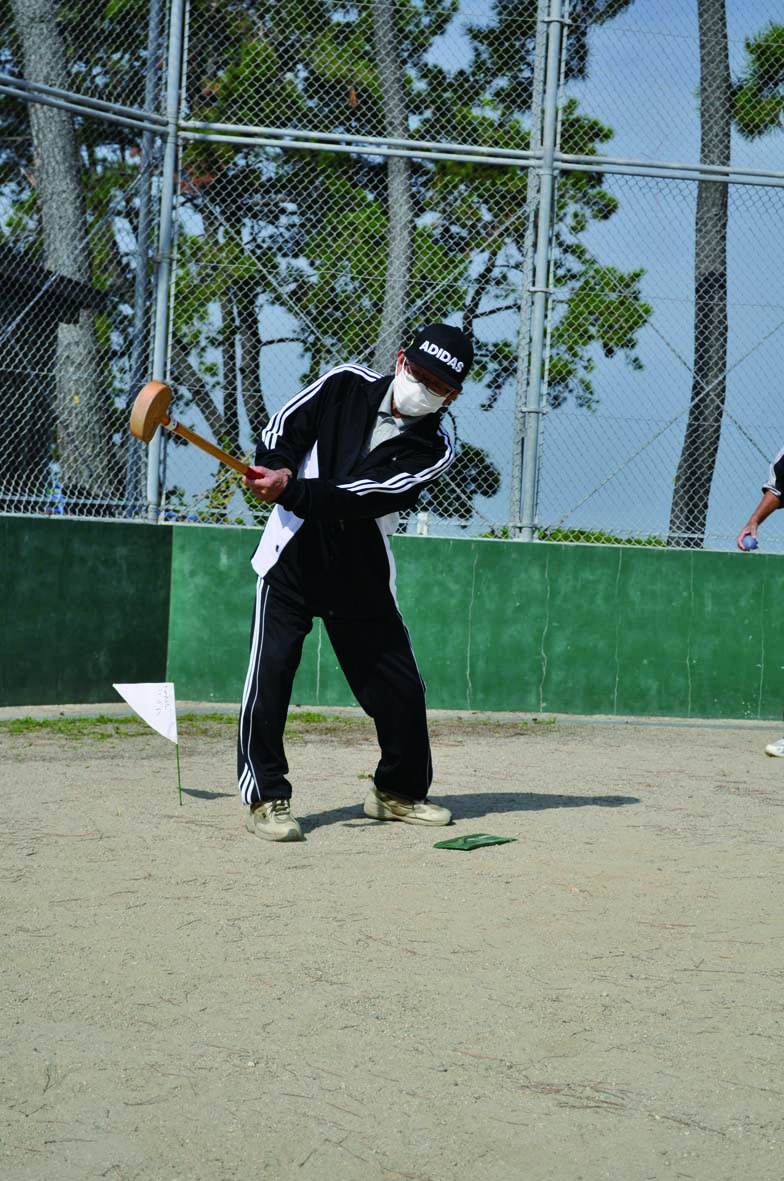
{"points": [[473, 840]]}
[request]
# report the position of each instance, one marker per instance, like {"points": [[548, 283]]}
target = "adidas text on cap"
{"points": [[444, 351]]}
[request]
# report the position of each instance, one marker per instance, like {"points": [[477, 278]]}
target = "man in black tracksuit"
{"points": [[339, 462]]}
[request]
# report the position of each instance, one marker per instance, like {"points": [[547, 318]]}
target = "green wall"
{"points": [[84, 603], [496, 625], [505, 626], [598, 629], [213, 588]]}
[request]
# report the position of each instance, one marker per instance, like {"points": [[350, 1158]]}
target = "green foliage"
{"points": [[605, 308], [504, 48], [758, 95], [596, 537], [115, 8], [471, 474], [585, 536], [477, 215], [324, 240]]}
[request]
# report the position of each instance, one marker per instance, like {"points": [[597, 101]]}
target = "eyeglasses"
{"points": [[438, 388]]}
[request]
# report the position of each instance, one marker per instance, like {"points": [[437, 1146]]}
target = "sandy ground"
{"points": [[600, 998]]}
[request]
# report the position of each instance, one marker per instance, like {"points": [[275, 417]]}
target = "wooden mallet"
{"points": [[150, 411]]}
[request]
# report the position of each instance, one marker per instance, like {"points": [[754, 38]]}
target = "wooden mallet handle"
{"points": [[149, 411]]}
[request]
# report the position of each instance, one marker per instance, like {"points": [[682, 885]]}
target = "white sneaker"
{"points": [[272, 820], [382, 805], [776, 749]]}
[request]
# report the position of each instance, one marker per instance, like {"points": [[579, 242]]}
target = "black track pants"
{"points": [[378, 662]]}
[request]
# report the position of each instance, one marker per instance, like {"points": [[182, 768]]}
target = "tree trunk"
{"points": [[250, 363], [184, 373], [230, 433], [703, 430], [80, 408], [393, 317]]}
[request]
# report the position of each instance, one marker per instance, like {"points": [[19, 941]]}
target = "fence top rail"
{"points": [[361, 149], [296, 138], [9, 82], [701, 171], [136, 123], [347, 138]]}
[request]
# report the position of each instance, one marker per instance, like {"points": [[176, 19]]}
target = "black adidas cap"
{"points": [[444, 351]]}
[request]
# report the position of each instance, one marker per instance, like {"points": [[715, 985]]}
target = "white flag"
{"points": [[154, 702]]}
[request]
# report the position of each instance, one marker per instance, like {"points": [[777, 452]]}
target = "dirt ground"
{"points": [[601, 997]]}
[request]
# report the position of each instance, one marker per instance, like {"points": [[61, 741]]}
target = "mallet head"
{"points": [[150, 410]]}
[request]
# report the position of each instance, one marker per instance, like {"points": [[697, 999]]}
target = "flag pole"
{"points": [[179, 780]]}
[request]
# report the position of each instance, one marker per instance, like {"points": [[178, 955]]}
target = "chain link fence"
{"points": [[233, 196]]}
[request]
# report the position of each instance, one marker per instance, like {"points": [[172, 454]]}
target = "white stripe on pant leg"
{"points": [[252, 657], [260, 627], [248, 778], [247, 786]]}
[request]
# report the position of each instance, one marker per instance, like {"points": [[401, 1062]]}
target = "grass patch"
{"points": [[307, 724], [102, 727], [302, 725], [98, 727]]}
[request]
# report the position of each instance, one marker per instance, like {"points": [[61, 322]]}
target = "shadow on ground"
{"points": [[207, 795], [478, 804]]}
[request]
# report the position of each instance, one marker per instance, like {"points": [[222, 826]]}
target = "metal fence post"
{"points": [[532, 408], [524, 334], [140, 346], [163, 268]]}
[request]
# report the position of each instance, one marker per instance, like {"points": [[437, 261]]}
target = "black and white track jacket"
{"points": [[775, 482], [326, 540]]}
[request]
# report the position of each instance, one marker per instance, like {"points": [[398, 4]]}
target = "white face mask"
{"points": [[412, 398]]}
